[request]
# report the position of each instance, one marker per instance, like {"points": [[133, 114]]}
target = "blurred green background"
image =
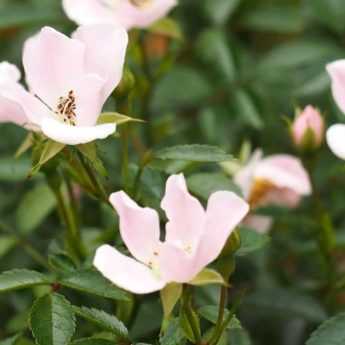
{"points": [[240, 71]]}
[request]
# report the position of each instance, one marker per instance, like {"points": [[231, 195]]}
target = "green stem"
{"points": [[186, 297], [222, 304], [97, 186], [125, 159]]}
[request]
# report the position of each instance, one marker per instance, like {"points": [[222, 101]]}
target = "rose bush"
{"points": [[171, 172]]}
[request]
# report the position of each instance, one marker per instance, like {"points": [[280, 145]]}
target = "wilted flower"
{"points": [[308, 129], [69, 81], [194, 237], [336, 133], [275, 180], [128, 13]]}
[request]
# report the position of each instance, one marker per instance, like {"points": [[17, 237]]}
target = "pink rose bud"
{"points": [[308, 129]]}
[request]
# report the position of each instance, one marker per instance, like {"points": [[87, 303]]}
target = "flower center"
{"points": [[258, 192], [140, 3], [66, 107]]}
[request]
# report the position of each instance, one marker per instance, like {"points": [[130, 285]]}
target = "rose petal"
{"points": [[185, 213], [53, 63], [75, 135], [284, 171], [336, 71], [225, 210], [105, 53], [336, 140], [125, 272], [139, 227]]}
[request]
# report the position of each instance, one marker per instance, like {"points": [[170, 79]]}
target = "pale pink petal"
{"points": [[185, 213], [336, 71], [284, 197], [75, 135], [336, 140], [9, 73], [126, 272], [244, 177], [89, 100], [284, 171], [261, 224], [105, 53], [225, 210], [85, 12], [176, 264], [33, 109], [131, 16], [11, 111], [52, 63], [139, 227], [121, 12]]}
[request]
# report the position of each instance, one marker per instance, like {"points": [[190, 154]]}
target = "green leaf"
{"points": [[23, 14], [239, 336], [330, 12], [269, 18], [213, 49], [34, 207], [193, 153], [208, 276], [117, 118], [246, 109], [92, 341], [167, 27], [90, 153], [21, 278], [170, 295], [205, 184], [25, 145], [192, 80], [219, 11], [210, 313], [13, 170], [102, 319], [50, 150], [61, 262], [288, 303], [7, 243], [331, 332], [173, 334], [251, 241], [186, 317], [52, 320], [94, 283], [11, 341]]}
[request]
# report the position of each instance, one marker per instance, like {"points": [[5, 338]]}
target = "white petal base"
{"points": [[75, 135], [336, 140]]}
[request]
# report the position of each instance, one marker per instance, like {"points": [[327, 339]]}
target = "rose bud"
{"points": [[308, 128]]}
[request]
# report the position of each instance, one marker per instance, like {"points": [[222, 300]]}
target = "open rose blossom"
{"points": [[336, 133], [69, 81], [308, 128], [194, 238], [128, 13], [275, 180]]}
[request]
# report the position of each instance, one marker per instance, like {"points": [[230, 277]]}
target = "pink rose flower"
{"points": [[194, 238], [275, 180], [69, 81]]}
